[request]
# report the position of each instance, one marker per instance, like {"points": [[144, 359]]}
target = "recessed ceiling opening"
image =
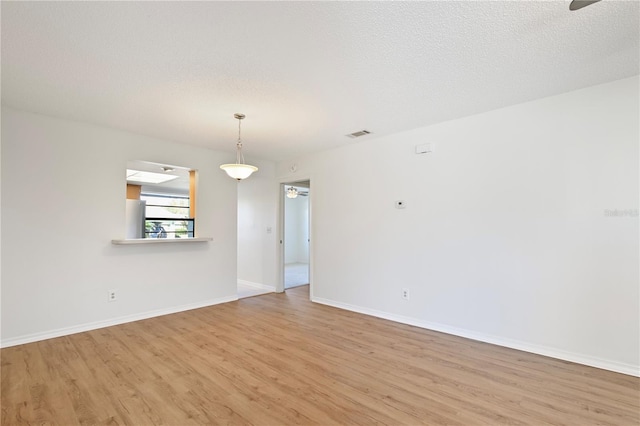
{"points": [[139, 176]]}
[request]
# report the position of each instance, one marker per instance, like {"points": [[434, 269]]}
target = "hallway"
{"points": [[296, 274]]}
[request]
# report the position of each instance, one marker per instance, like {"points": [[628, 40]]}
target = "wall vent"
{"points": [[358, 134]]}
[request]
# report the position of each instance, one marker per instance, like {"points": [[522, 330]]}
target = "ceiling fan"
{"points": [[293, 192], [579, 4]]}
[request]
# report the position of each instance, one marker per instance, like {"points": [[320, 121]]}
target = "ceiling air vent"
{"points": [[358, 134]]}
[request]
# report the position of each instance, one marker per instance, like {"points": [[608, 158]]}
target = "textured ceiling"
{"points": [[304, 73]]}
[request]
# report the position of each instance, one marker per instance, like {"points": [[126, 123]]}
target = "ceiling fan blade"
{"points": [[579, 4]]}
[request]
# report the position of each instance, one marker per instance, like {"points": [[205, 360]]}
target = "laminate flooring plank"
{"points": [[361, 373], [340, 371], [242, 383], [158, 379], [279, 359], [275, 374], [316, 360]]}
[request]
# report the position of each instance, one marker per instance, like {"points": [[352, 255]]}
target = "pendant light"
{"points": [[239, 170], [292, 192]]}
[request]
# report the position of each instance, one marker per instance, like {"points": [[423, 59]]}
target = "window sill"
{"points": [[161, 240]]}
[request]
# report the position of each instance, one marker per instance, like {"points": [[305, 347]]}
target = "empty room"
{"points": [[331, 213]]}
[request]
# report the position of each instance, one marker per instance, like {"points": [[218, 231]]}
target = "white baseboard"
{"points": [[618, 367], [257, 285], [30, 338]]}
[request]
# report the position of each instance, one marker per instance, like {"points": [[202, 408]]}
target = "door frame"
{"points": [[283, 182]]}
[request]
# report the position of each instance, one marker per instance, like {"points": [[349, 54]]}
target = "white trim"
{"points": [[282, 182], [619, 367], [161, 240], [30, 338], [257, 285]]}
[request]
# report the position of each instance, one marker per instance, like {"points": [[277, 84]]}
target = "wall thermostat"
{"points": [[424, 148]]}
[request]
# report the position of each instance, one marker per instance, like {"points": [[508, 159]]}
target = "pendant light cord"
{"points": [[239, 156]]}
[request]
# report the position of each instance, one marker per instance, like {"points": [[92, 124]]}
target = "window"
{"points": [[160, 201], [167, 216], [166, 205]]}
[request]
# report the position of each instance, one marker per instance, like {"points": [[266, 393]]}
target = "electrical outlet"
{"points": [[405, 293], [112, 296]]}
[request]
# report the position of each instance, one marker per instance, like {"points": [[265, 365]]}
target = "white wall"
{"points": [[504, 237], [63, 201], [296, 230], [257, 226]]}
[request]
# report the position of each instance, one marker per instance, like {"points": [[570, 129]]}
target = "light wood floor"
{"points": [[279, 359]]}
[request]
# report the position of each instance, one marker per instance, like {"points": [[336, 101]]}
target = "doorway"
{"points": [[296, 257]]}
